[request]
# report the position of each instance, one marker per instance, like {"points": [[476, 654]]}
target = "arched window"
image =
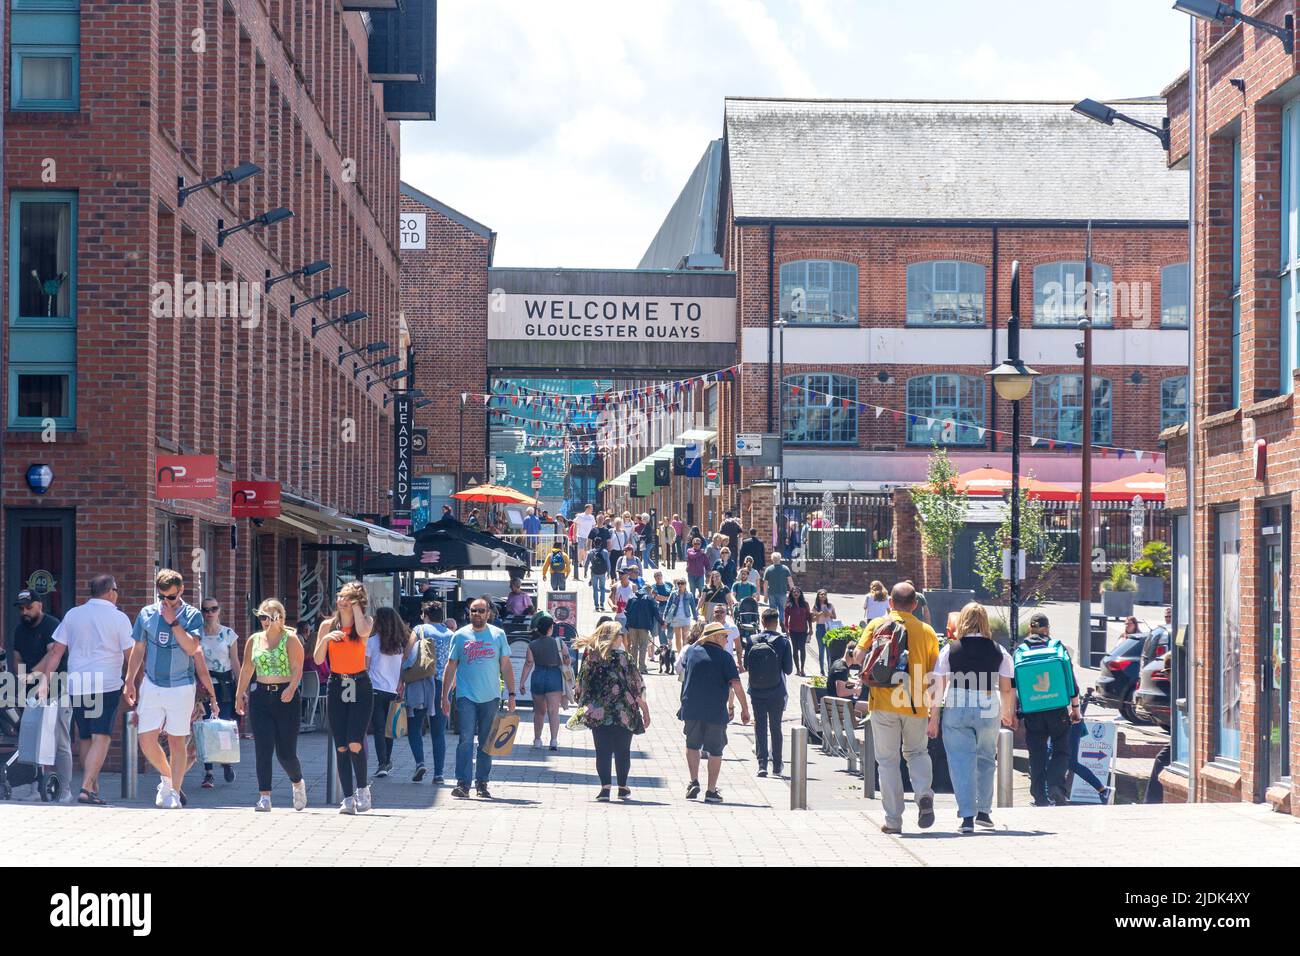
{"points": [[1173, 401], [944, 410], [815, 412], [1058, 408], [819, 292], [945, 293], [1173, 296], [1059, 294]]}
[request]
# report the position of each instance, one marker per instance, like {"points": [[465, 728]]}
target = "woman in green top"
{"points": [[610, 689], [275, 655]]}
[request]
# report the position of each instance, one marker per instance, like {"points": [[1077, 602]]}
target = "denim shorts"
{"points": [[94, 713], [546, 680]]}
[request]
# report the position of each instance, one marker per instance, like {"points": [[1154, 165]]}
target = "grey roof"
{"points": [[923, 160], [454, 215], [686, 239]]}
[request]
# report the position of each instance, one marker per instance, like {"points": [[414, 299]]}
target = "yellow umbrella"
{"points": [[494, 495]]}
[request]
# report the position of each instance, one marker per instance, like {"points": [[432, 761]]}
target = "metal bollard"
{"points": [[798, 768], [1006, 749], [868, 763], [130, 755]]}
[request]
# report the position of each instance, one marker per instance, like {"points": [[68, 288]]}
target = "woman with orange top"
{"points": [[342, 638]]}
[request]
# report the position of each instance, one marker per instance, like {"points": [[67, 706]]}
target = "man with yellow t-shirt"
{"points": [[899, 714]]}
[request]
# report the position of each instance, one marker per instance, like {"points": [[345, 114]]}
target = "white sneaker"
{"points": [[363, 800], [160, 798], [173, 800], [300, 795], [349, 805], [263, 804]]}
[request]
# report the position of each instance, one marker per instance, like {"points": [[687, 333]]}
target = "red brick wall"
{"points": [[283, 85], [444, 297], [1227, 434]]}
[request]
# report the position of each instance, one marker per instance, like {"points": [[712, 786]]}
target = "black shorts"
{"points": [[706, 736], [94, 713]]}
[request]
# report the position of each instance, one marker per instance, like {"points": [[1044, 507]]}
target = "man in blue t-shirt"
{"points": [[169, 641], [709, 676], [479, 661]]}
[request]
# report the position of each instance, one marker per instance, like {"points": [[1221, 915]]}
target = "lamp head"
{"points": [[1097, 112], [241, 172], [311, 268], [338, 292], [1012, 381], [272, 216], [1203, 9], [376, 346], [352, 317]]}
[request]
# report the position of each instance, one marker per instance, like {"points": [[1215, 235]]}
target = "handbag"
{"points": [[38, 732], [566, 671], [395, 722], [216, 741]]}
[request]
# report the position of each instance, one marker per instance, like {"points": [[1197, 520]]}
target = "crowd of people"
{"points": [[732, 625]]}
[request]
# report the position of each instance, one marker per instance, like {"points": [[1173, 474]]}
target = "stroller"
{"points": [[747, 620], [22, 766]]}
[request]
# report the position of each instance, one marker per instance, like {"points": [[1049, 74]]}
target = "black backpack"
{"points": [[763, 663], [598, 563]]}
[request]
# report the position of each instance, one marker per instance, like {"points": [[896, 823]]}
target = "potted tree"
{"points": [[1118, 591], [1037, 540], [882, 549], [1152, 571], [942, 510]]}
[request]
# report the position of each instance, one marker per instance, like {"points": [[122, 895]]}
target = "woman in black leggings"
{"points": [[384, 654], [610, 687], [343, 639], [274, 655]]}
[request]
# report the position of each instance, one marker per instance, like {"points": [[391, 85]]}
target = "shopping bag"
{"points": [[395, 722], [217, 741], [502, 738], [37, 734]]}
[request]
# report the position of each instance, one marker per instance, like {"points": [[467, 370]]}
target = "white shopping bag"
{"points": [[38, 733], [217, 741]]}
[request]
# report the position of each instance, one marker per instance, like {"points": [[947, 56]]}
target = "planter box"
{"points": [[1151, 589], [1118, 604]]}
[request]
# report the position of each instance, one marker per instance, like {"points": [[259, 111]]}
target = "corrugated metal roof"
{"points": [[686, 239], [902, 160]]}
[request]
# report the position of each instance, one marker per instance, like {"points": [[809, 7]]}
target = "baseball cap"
{"points": [[26, 597], [1038, 619]]}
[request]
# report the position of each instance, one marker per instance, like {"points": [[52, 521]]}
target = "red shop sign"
{"points": [[186, 476], [255, 499]]}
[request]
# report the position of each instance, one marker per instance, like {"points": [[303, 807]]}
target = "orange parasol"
{"points": [[1148, 484], [494, 495]]}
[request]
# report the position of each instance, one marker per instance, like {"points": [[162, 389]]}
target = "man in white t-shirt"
{"points": [[96, 637], [583, 522]]}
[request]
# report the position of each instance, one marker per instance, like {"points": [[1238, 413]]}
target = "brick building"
{"points": [[1247, 447], [444, 290], [143, 333]]}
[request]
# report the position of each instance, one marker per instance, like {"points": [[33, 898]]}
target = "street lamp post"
{"points": [[1012, 380], [780, 381], [460, 454]]}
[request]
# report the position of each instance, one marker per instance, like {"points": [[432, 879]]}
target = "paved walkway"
{"points": [[543, 812]]}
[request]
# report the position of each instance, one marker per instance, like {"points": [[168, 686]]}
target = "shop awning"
{"points": [[319, 520]]}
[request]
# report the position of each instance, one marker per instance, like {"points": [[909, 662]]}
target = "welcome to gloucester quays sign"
{"points": [[603, 318]]}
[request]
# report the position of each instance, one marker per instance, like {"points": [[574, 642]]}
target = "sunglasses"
{"points": [[211, 610], [268, 617], [170, 597]]}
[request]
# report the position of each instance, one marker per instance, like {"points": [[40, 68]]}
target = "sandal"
{"points": [[91, 798]]}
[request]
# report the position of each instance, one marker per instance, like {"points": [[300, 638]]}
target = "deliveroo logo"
{"points": [[1044, 683]]}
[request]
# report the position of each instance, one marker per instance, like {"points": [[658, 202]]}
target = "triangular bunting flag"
{"points": [[1138, 454], [981, 432], [1033, 441], [878, 411]]}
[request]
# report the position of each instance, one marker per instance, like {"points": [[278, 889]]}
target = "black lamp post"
{"points": [[378, 363], [1013, 380], [310, 269], [1101, 113], [231, 176], [346, 319], [329, 295], [369, 349], [268, 218], [1213, 10]]}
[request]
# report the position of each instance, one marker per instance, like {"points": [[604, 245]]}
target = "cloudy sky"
{"points": [[570, 126]]}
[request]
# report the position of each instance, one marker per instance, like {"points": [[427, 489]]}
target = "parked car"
{"points": [[1152, 697], [1120, 670], [1157, 644]]}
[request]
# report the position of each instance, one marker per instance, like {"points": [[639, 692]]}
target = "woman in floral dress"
{"points": [[610, 690]]}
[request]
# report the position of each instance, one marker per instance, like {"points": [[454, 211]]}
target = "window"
{"points": [[45, 50], [42, 309], [1173, 401], [945, 293], [1227, 676], [815, 412], [1290, 266], [1058, 408], [953, 405], [1060, 294], [819, 292], [1173, 296]]}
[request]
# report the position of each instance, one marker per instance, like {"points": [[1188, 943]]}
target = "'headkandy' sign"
{"points": [[605, 318]]}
